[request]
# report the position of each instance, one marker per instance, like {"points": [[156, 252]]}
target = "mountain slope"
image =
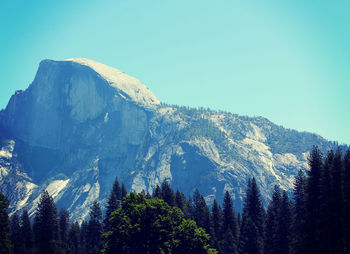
{"points": [[81, 123]]}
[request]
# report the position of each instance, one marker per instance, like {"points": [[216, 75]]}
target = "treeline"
{"points": [[316, 219]]}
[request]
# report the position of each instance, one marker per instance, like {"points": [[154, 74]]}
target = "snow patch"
{"points": [[55, 187]]}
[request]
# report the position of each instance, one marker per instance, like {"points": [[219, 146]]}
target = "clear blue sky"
{"points": [[288, 61]]}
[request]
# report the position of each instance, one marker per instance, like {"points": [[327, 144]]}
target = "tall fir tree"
{"points": [[313, 204], [273, 212], [298, 227], [46, 226], [113, 202], [73, 238], [15, 234], [95, 229], [181, 203], [124, 192], [230, 224], [5, 245], [26, 232], [157, 192], [252, 233], [336, 225], [63, 228], [346, 208], [218, 221], [283, 244], [168, 194]]}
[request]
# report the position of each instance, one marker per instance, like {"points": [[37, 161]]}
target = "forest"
{"points": [[315, 218]]}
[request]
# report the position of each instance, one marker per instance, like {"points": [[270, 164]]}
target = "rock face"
{"points": [[81, 123]]}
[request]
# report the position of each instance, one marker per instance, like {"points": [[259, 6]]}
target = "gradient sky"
{"points": [[288, 61]]}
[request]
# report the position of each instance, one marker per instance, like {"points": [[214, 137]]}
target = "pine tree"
{"points": [[181, 203], [73, 238], [5, 244], [46, 226], [167, 193], [64, 227], [201, 212], [272, 222], [157, 192], [298, 228], [15, 234], [124, 191], [336, 220], [346, 191], [83, 238], [313, 204], [113, 202], [230, 221], [94, 229], [218, 220], [252, 232], [283, 244], [26, 232]]}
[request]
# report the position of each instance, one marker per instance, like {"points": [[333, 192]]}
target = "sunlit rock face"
{"points": [[81, 123]]}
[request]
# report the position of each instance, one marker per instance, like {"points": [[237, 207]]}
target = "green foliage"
{"points": [[152, 226]]}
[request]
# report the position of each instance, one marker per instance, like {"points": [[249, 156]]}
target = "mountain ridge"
{"points": [[73, 131]]}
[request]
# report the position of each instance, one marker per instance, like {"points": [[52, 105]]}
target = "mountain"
{"points": [[81, 123]]}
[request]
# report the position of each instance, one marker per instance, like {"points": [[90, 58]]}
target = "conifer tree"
{"points": [[15, 234], [73, 238], [157, 192], [283, 244], [181, 203], [83, 238], [230, 220], [26, 232], [5, 244], [124, 191], [313, 204], [252, 233], [46, 226], [94, 229], [63, 227], [201, 212], [346, 191], [218, 220], [298, 228], [273, 213], [168, 194], [113, 202], [336, 220]]}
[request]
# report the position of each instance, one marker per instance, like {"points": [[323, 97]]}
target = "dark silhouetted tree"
{"points": [[298, 227], [168, 194], [113, 202], [5, 244], [26, 232], [46, 226], [252, 232], [63, 227], [94, 229], [273, 213], [181, 203], [73, 238], [218, 221], [15, 234]]}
